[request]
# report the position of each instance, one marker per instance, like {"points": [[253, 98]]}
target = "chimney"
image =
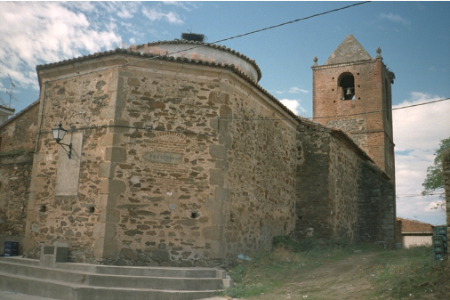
{"points": [[195, 37]]}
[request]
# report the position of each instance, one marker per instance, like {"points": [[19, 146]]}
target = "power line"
{"points": [[429, 102], [229, 38], [378, 111], [293, 21], [417, 195]]}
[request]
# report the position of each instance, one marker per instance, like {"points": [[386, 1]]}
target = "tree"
{"points": [[434, 179]]}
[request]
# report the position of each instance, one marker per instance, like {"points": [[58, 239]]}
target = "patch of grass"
{"points": [[407, 273], [289, 259], [394, 274]]}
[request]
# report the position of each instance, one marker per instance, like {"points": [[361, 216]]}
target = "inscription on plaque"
{"points": [[164, 157]]}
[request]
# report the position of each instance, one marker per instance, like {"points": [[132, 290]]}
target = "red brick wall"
{"points": [[364, 118]]}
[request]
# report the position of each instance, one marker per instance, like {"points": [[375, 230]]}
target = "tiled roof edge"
{"points": [[219, 47]]}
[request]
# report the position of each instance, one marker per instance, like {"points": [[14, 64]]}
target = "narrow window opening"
{"points": [[91, 209], [388, 100], [194, 215], [42, 208]]}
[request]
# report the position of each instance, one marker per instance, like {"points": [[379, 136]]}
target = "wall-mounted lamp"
{"points": [[58, 135]]}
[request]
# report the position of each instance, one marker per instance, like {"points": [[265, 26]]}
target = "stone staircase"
{"points": [[75, 281]]}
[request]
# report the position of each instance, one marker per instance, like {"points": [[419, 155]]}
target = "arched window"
{"points": [[347, 84]]}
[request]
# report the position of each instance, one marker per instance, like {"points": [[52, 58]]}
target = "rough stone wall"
{"points": [[376, 211], [229, 190], [365, 118], [343, 184], [55, 214], [351, 198], [17, 137], [165, 176], [262, 159], [313, 208]]}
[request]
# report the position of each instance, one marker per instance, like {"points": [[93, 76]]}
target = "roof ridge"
{"points": [[350, 50]]}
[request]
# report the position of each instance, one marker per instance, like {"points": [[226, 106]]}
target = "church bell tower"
{"points": [[352, 92]]}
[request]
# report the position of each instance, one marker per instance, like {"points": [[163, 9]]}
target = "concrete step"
{"points": [[144, 271], [55, 290], [196, 272], [107, 280], [72, 281]]}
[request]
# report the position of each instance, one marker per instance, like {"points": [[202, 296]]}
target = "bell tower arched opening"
{"points": [[346, 83]]}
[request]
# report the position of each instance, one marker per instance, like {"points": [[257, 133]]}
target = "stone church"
{"points": [[175, 155]]}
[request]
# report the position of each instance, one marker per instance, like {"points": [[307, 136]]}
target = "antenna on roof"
{"points": [[12, 86]]}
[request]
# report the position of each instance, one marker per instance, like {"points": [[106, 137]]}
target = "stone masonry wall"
{"points": [[351, 198], [262, 159], [165, 176], [17, 144], [82, 104], [225, 187], [343, 181], [376, 211], [313, 207]]}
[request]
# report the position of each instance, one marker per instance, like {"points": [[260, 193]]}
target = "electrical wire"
{"points": [[417, 195], [225, 39], [378, 111]]}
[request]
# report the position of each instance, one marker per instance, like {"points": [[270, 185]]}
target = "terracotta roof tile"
{"points": [[415, 226]]}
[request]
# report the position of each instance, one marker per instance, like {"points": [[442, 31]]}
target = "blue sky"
{"points": [[414, 38]]}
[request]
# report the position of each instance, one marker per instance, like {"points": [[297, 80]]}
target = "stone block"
{"points": [[111, 139], [106, 201], [218, 250], [160, 255], [221, 194], [109, 186], [218, 98], [110, 216], [106, 170], [69, 168], [214, 123], [216, 177], [218, 151], [116, 154], [214, 233], [221, 164], [225, 139]]}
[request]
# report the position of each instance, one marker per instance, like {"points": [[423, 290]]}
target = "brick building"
{"points": [[178, 156]]}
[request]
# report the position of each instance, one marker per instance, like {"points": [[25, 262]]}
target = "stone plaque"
{"points": [[164, 157]]}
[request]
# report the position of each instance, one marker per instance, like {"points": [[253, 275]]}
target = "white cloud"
{"points": [[417, 134], [394, 18], [184, 5], [295, 90], [294, 106], [154, 14], [421, 127], [42, 32]]}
